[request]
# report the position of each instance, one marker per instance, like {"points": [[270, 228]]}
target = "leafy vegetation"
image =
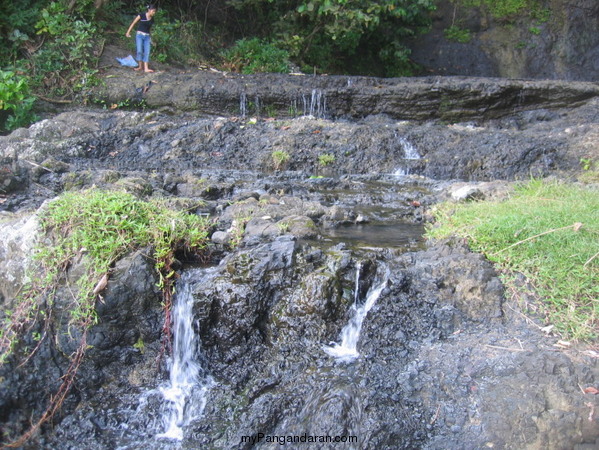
{"points": [[500, 9], [590, 170], [279, 159], [16, 101], [549, 232], [457, 34], [66, 64], [17, 28], [325, 159], [339, 35], [175, 41], [255, 55], [506, 11]]}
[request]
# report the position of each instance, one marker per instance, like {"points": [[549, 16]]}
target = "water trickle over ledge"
{"points": [[445, 98], [347, 349], [189, 384]]}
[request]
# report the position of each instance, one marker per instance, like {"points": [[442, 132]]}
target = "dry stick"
{"points": [[37, 165], [436, 415], [590, 259], [57, 400], [576, 226], [52, 100], [507, 348]]}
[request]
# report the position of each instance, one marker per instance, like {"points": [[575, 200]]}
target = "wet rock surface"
{"points": [[562, 46], [447, 359], [447, 98], [431, 372], [190, 156]]}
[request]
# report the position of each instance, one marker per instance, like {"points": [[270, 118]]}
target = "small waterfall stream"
{"points": [[410, 154], [347, 350], [243, 99], [185, 394]]}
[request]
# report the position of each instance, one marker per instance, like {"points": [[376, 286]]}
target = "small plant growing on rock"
{"points": [[326, 159], [586, 163], [279, 158], [590, 171], [457, 34]]}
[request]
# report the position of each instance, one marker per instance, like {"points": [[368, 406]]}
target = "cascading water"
{"points": [[188, 385], [315, 105], [410, 154], [347, 350], [318, 104], [410, 151], [243, 99], [257, 104]]}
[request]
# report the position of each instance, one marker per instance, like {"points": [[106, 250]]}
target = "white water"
{"points": [[185, 395], [243, 104], [315, 106], [347, 350], [410, 151]]}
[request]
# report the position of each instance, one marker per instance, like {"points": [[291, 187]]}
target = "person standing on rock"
{"points": [[143, 40]]}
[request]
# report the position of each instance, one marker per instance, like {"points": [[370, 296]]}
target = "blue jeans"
{"points": [[143, 42]]}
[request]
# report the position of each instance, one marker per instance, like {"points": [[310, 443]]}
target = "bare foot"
{"points": [[137, 68], [148, 71]]}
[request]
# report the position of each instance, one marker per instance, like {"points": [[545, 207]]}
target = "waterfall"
{"points": [[410, 151], [243, 99], [257, 104], [185, 394], [410, 154], [316, 105], [347, 350]]}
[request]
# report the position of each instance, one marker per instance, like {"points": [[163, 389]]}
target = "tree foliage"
{"points": [[16, 101], [253, 55], [337, 34]]}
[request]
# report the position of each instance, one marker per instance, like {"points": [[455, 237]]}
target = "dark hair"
{"points": [[152, 6]]}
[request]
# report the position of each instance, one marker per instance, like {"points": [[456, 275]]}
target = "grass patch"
{"points": [[326, 159], [279, 159], [549, 232], [97, 228]]}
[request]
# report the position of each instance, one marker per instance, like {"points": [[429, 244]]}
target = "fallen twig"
{"points": [[590, 259], [54, 100], [436, 415], [507, 348], [101, 284], [576, 226], [37, 165]]}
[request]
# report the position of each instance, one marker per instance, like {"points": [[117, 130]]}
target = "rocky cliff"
{"points": [[559, 40]]}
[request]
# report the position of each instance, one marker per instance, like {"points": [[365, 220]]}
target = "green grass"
{"points": [[279, 158], [326, 159], [536, 233]]}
